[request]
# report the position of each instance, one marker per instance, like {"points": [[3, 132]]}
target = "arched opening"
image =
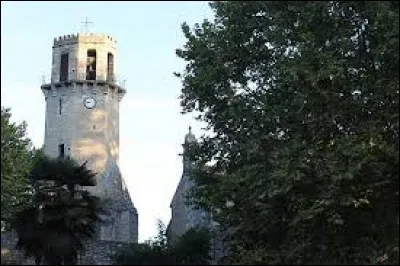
{"points": [[110, 67], [91, 65]]}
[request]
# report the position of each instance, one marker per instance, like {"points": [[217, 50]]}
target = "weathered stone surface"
{"points": [[90, 134], [76, 46]]}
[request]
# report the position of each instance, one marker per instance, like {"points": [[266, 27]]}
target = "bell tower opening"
{"points": [[91, 65], [64, 67], [110, 67]]}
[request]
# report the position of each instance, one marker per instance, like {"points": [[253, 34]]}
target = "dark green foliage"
{"points": [[192, 248], [6, 261], [303, 99], [49, 169], [152, 252], [143, 254], [60, 216], [16, 159]]}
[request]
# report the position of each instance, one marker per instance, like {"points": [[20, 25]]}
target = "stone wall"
{"points": [[95, 253], [90, 134], [87, 134], [77, 46], [100, 252]]}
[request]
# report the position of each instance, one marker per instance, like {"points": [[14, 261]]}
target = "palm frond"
{"points": [[60, 217]]}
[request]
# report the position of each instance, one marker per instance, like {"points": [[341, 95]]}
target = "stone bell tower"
{"points": [[82, 121]]}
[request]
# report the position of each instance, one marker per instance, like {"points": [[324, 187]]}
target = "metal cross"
{"points": [[86, 22]]}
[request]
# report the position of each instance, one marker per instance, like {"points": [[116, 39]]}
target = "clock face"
{"points": [[89, 103]]}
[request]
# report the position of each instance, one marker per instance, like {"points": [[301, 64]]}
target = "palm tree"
{"points": [[60, 216]]}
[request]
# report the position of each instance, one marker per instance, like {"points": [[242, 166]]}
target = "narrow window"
{"points": [[60, 106], [64, 67], [61, 151], [110, 67], [91, 65]]}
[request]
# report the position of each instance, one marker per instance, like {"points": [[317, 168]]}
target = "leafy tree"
{"points": [[16, 155], [302, 99], [142, 254], [192, 248], [160, 240], [60, 216], [153, 252]]}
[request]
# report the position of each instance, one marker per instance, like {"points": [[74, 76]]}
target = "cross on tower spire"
{"points": [[86, 22]]}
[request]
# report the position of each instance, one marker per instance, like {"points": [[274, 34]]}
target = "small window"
{"points": [[61, 152], [64, 67], [60, 106]]}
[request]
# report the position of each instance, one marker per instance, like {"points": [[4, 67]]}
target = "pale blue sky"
{"points": [[152, 128]]}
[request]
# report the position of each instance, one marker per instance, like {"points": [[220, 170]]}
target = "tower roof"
{"points": [[190, 137]]}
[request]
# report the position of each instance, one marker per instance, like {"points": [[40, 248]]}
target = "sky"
{"points": [[152, 127]]}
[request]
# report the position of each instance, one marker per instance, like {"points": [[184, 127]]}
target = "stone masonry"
{"points": [[90, 131]]}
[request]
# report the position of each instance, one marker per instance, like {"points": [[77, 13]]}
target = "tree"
{"points": [[16, 155], [60, 216], [155, 251], [302, 98], [192, 248], [142, 254]]}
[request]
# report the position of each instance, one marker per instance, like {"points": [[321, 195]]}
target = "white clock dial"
{"points": [[89, 103]]}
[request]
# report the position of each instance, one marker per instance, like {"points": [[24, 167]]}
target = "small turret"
{"points": [[190, 137]]}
